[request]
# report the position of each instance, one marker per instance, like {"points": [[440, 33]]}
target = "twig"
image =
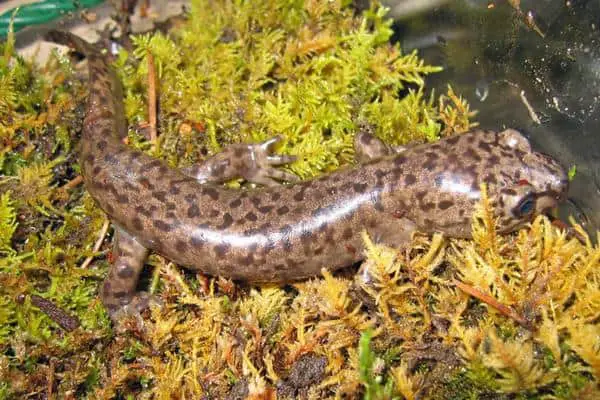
{"points": [[66, 321], [489, 300], [97, 245], [530, 109], [73, 182], [152, 104]]}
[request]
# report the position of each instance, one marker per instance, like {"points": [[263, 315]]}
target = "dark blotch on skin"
{"points": [[347, 234], [134, 155], [96, 170], [180, 246], [421, 195], [137, 223], [472, 154], [445, 204], [428, 206], [174, 190], [162, 225], [264, 227], [193, 211], [101, 145], [453, 139], [366, 139], [410, 179], [143, 211], [235, 203], [300, 195], [211, 192], [275, 196], [255, 200], [283, 210], [265, 209], [190, 198], [122, 199], [227, 221], [484, 146], [399, 161], [360, 187], [248, 260], [251, 217], [239, 151], [429, 165], [160, 196], [154, 164], [221, 249]]}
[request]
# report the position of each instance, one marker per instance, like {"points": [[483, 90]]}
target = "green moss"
{"points": [[310, 72]]}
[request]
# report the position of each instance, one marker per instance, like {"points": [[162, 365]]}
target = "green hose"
{"points": [[41, 12]]}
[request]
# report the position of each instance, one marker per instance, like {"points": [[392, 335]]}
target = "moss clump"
{"points": [[496, 316], [312, 71]]}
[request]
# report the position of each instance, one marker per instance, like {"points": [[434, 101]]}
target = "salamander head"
{"points": [[520, 183], [541, 185]]}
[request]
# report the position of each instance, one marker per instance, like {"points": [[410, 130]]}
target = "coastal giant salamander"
{"points": [[282, 233]]}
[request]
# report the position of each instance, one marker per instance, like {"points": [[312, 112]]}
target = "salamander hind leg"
{"points": [[118, 292], [367, 147], [253, 162]]}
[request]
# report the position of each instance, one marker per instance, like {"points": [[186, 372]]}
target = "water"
{"points": [[536, 69]]}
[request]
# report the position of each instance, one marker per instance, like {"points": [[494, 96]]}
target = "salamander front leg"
{"points": [[367, 147], [253, 162], [118, 291]]}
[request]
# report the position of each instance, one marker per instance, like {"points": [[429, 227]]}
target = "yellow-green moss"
{"points": [[497, 316]]}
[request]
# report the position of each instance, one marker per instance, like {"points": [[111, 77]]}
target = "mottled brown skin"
{"points": [[283, 233]]}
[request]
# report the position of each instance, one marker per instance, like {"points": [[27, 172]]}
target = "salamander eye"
{"points": [[525, 207]]}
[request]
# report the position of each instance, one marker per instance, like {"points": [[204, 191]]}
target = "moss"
{"points": [[498, 317]]}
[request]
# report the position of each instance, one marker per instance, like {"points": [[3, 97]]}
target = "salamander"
{"points": [[286, 232]]}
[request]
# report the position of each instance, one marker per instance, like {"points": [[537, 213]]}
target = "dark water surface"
{"points": [[547, 86]]}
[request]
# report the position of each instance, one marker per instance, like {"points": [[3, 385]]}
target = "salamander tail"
{"points": [[71, 40]]}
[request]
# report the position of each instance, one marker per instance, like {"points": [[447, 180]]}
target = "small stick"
{"points": [[73, 182], [66, 321], [152, 104], [97, 245], [530, 109], [491, 301]]}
